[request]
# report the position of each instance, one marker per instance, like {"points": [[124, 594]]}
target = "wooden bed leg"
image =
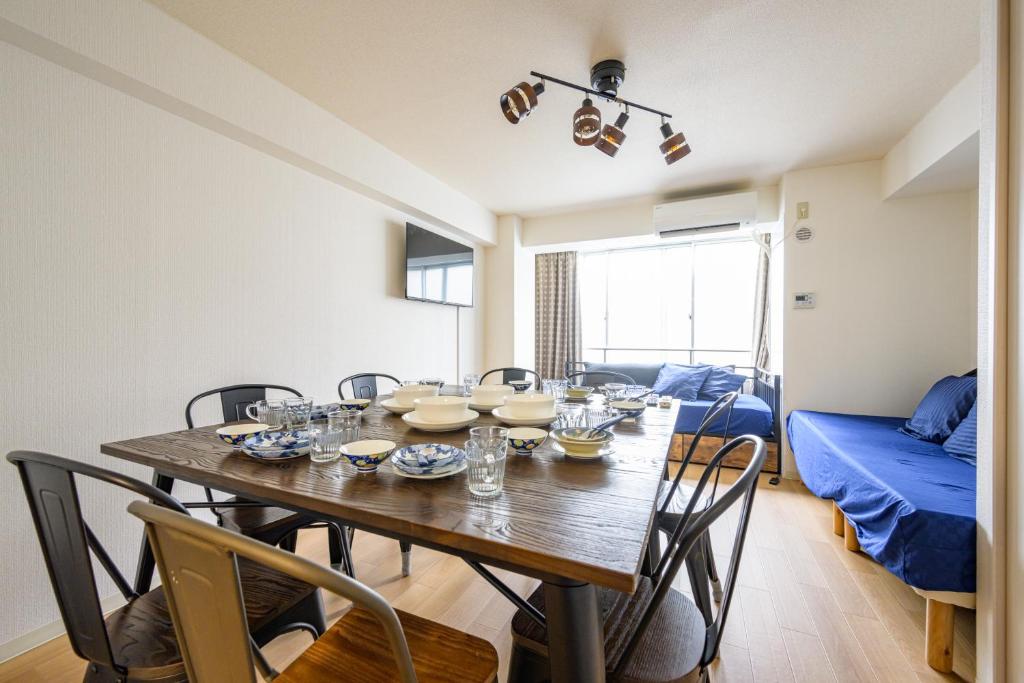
{"points": [[850, 535], [837, 520], [939, 618]]}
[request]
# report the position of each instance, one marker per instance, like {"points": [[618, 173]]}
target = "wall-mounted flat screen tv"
{"points": [[437, 269]]}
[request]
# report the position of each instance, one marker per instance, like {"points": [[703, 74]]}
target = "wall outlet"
{"points": [[803, 210]]}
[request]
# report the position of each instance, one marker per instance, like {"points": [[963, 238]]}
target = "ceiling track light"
{"points": [[606, 77]]}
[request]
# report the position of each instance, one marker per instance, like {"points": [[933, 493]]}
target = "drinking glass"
{"points": [[614, 390], [568, 416], [555, 387], [593, 416], [325, 440], [347, 421], [470, 381], [485, 459], [270, 413], [296, 412]]}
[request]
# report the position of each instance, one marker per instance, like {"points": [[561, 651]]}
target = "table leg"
{"points": [[144, 571], [575, 633]]}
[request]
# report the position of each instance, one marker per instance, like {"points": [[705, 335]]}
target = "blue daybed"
{"points": [[910, 505]]}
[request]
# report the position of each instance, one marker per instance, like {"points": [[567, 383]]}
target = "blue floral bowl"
{"points": [[235, 435], [321, 412], [524, 440], [427, 458], [359, 404], [277, 445], [368, 454]]}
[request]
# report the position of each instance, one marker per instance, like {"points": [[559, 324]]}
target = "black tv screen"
{"points": [[437, 269]]}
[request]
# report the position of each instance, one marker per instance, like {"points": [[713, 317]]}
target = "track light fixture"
{"points": [[675, 146], [612, 136], [606, 78], [586, 123], [520, 101]]}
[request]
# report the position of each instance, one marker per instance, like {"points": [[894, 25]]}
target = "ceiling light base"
{"points": [[607, 76]]}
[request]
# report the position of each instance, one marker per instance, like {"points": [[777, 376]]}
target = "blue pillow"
{"points": [[681, 381], [944, 406], [962, 444], [720, 381]]}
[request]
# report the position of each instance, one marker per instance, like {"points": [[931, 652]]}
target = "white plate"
{"points": [[604, 450], [522, 421], [413, 420], [437, 475], [484, 407], [393, 406]]}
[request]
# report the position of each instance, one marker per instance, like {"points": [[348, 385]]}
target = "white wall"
{"points": [[146, 256], [896, 293]]}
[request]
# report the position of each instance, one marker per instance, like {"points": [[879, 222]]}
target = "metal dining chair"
{"points": [[658, 634], [371, 642], [136, 642], [364, 384], [273, 525], [605, 376], [674, 500], [513, 375]]}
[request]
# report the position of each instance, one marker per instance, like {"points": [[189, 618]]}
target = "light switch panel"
{"points": [[803, 300]]}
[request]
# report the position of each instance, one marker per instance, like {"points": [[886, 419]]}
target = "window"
{"points": [[685, 303]]}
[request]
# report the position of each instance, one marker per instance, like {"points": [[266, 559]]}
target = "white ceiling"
{"points": [[758, 86]]}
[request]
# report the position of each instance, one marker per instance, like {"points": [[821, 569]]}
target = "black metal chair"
{"points": [[674, 499], [364, 384], [661, 634], [604, 377], [266, 523], [137, 641], [513, 375]]}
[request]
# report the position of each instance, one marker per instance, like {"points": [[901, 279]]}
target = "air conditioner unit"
{"points": [[704, 215]]}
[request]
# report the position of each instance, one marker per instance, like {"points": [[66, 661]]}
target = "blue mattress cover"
{"points": [[750, 415], [912, 504]]}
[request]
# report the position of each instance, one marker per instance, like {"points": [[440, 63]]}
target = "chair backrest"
{"points": [[572, 366], [200, 576], [66, 541], [689, 531], [513, 374], [235, 398], [589, 377], [364, 384]]}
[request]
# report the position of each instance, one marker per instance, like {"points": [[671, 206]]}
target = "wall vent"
{"points": [[803, 234]]}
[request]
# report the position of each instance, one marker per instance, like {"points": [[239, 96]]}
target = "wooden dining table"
{"points": [[572, 524]]}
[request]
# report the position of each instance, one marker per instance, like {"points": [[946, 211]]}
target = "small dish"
{"points": [[439, 474], [359, 404], [414, 419], [520, 385], [578, 392], [368, 454], [277, 445], [599, 453], [503, 416], [235, 435], [524, 440], [427, 458], [393, 406], [628, 406]]}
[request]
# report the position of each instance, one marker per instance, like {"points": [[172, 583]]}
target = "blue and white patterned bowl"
{"points": [[322, 411], [235, 435], [427, 458], [358, 404], [277, 445], [524, 440], [366, 455]]}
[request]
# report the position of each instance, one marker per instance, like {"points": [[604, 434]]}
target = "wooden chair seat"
{"points": [[356, 649], [142, 634], [262, 522], [669, 650]]}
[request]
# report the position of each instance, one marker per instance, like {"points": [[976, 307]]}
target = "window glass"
{"points": [[460, 284], [434, 284]]}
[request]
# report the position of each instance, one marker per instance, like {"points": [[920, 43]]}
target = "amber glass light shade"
{"points": [[586, 123], [612, 137], [520, 101], [675, 146]]}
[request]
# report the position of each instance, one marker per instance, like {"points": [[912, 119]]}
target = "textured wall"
{"points": [[144, 258]]}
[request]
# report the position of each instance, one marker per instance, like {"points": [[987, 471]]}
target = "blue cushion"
{"points": [[944, 406], [720, 381], [962, 444], [681, 381]]}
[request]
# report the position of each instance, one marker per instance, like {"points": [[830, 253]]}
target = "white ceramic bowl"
{"points": [[407, 395], [491, 394], [530, 405], [441, 408], [570, 440]]}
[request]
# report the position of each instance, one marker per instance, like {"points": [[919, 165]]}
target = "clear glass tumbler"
{"points": [[347, 422], [485, 458], [569, 415], [325, 440], [468, 382], [270, 413], [296, 412]]}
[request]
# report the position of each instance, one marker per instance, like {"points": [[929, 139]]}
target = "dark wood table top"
{"points": [[556, 517]]}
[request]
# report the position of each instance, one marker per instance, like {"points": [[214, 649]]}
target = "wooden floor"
{"points": [[806, 609]]}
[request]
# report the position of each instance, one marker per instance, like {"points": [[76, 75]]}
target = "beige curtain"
{"points": [[557, 326], [761, 348]]}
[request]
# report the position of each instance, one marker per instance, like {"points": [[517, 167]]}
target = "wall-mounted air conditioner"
{"points": [[703, 215]]}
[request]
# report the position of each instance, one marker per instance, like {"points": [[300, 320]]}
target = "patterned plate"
{"points": [[277, 445], [446, 472], [427, 458]]}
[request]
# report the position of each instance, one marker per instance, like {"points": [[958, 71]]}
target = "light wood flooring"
{"points": [[805, 609]]}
